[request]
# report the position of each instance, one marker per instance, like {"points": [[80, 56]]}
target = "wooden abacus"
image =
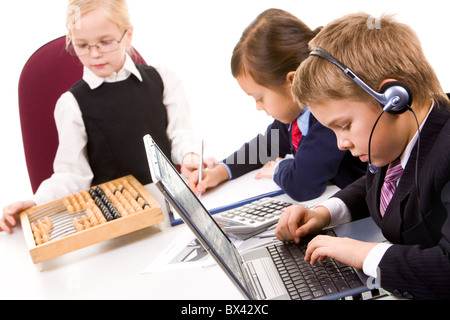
{"points": [[91, 216]]}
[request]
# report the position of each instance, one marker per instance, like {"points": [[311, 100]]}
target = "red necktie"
{"points": [[296, 134], [393, 173]]}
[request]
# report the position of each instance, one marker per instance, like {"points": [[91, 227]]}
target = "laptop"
{"points": [[260, 273]]}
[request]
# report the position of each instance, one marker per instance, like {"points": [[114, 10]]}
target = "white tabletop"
{"points": [[108, 270], [112, 269]]}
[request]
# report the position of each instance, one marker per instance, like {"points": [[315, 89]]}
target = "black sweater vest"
{"points": [[117, 116]]}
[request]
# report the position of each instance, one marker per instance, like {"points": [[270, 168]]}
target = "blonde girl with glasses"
{"points": [[101, 120]]}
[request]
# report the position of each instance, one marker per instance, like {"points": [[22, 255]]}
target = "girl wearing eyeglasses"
{"points": [[102, 119]]}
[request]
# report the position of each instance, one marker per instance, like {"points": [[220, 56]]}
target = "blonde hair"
{"points": [[375, 52], [115, 10]]}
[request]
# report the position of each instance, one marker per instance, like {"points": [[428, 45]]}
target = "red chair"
{"points": [[49, 72]]}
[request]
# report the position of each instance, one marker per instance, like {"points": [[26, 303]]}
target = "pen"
{"points": [[200, 169]]}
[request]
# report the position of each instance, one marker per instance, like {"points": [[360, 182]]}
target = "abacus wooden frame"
{"points": [[93, 235]]}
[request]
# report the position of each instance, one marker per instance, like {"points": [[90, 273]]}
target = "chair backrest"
{"points": [[49, 72]]}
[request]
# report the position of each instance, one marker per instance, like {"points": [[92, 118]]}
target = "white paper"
{"points": [[183, 252]]}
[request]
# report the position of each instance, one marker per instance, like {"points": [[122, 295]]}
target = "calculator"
{"points": [[252, 218]]}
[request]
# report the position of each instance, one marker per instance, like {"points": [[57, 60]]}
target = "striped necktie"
{"points": [[296, 134], [394, 172]]}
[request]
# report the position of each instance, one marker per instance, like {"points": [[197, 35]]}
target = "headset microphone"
{"points": [[373, 168], [394, 96]]}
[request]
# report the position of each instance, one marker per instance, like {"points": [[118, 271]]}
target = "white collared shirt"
{"points": [[128, 68], [72, 172]]}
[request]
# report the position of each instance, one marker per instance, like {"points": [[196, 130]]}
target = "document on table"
{"points": [[185, 251]]}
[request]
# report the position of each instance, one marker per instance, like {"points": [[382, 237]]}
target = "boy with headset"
{"points": [[384, 102]]}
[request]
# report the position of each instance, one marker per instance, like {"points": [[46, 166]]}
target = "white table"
{"points": [[110, 270]]}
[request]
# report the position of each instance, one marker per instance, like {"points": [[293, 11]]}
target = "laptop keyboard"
{"points": [[305, 281]]}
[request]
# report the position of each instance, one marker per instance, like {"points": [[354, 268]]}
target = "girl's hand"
{"points": [[211, 178], [348, 251], [10, 213], [267, 169], [191, 162]]}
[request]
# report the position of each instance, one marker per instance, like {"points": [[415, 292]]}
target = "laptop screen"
{"points": [[193, 210]]}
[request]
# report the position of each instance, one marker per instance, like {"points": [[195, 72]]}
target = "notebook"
{"points": [[259, 273]]}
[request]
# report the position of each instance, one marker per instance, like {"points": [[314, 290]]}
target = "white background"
{"points": [[195, 38]]}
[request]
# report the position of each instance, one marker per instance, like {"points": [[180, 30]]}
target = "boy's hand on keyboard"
{"points": [[348, 251], [298, 221]]}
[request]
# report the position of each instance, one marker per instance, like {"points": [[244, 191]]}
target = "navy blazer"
{"points": [[416, 221], [317, 161]]}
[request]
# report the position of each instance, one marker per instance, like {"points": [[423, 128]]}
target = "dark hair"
{"points": [[273, 45]]}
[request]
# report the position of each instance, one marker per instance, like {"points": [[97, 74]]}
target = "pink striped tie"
{"points": [[394, 172]]}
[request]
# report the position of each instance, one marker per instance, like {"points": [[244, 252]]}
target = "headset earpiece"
{"points": [[397, 97]]}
